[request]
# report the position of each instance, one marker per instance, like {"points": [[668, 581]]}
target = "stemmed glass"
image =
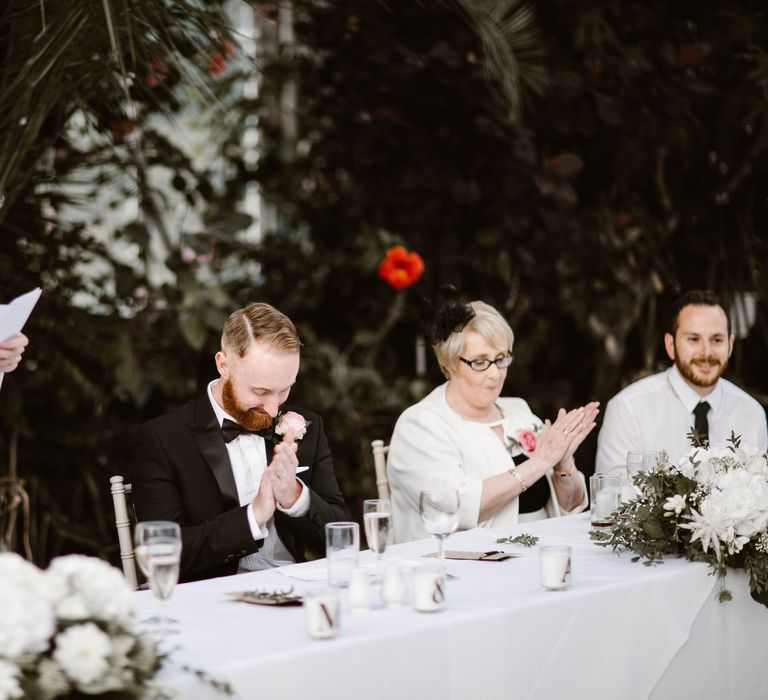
{"points": [[634, 465], [439, 510], [158, 553], [377, 520]]}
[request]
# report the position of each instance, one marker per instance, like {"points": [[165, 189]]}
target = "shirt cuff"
{"points": [[302, 503], [259, 532]]}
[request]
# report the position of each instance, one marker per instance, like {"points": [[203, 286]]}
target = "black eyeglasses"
{"points": [[482, 365]]}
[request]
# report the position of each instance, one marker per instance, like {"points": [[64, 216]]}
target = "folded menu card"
{"points": [[476, 556]]}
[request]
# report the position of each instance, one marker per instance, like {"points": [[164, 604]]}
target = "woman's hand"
{"points": [[559, 440]]}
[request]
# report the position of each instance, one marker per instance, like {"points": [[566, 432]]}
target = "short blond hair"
{"points": [[487, 322], [259, 322]]}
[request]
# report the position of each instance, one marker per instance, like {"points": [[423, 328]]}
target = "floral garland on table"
{"points": [[70, 631], [711, 506]]}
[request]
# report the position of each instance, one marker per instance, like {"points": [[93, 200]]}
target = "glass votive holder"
{"points": [[323, 613], [604, 498], [555, 564]]}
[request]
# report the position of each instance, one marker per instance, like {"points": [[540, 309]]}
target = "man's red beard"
{"points": [[249, 418], [689, 371]]}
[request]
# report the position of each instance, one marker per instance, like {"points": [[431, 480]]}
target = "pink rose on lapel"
{"points": [[527, 440], [292, 420]]}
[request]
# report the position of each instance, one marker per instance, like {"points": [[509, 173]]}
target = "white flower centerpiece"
{"points": [[711, 506], [70, 631]]}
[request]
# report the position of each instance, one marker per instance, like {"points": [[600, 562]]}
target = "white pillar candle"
{"points": [[322, 611], [605, 502], [429, 590], [555, 561]]}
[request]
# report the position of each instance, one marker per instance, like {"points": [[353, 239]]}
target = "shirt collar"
{"points": [[688, 396]]}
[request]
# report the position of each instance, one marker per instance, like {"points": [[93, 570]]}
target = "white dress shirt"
{"points": [[248, 457], [432, 446], [656, 413]]}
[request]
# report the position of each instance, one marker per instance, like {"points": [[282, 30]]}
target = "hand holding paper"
{"points": [[13, 316]]}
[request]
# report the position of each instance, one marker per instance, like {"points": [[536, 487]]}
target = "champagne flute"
{"points": [[158, 553], [439, 510], [377, 520]]}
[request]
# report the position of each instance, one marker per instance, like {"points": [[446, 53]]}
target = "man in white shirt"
{"points": [[658, 412], [250, 482]]}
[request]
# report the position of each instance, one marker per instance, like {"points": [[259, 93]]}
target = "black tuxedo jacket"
{"points": [[181, 472]]}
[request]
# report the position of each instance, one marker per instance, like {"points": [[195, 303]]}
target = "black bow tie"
{"points": [[231, 430]]}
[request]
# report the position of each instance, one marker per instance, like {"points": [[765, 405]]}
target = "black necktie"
{"points": [[701, 426], [231, 430]]}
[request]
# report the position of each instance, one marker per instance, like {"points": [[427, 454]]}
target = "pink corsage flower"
{"points": [[527, 439], [292, 420]]}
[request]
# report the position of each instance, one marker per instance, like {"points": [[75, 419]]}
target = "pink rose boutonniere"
{"points": [[292, 420]]}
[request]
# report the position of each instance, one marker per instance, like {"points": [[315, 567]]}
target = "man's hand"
{"points": [[11, 351], [281, 472], [264, 503]]}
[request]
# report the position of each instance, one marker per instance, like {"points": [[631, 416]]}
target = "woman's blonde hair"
{"points": [[487, 322]]}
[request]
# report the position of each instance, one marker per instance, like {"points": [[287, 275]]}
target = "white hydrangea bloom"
{"points": [[26, 616], [91, 588], [9, 681], [83, 653]]}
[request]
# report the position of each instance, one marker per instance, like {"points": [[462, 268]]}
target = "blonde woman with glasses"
{"points": [[506, 464]]}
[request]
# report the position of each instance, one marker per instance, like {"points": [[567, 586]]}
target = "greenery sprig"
{"points": [[523, 540]]}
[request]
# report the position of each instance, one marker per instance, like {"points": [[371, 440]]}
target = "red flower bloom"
{"points": [[690, 55], [400, 269], [217, 64], [121, 129], [158, 71]]}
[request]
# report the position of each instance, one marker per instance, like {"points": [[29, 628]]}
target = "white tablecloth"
{"points": [[622, 631]]}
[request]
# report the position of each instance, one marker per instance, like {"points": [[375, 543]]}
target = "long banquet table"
{"points": [[622, 631]]}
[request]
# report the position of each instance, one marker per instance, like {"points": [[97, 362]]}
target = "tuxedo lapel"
{"points": [[207, 434]]}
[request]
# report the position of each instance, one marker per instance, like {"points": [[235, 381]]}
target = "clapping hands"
{"points": [[279, 484], [561, 438]]}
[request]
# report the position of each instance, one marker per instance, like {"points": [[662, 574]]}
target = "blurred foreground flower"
{"points": [[401, 269]]}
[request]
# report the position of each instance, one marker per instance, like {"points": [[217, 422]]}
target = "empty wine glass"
{"points": [[634, 465], [439, 510], [377, 520], [158, 553]]}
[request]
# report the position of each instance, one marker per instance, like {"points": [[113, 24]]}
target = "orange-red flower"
{"points": [[401, 269], [158, 71], [217, 65]]}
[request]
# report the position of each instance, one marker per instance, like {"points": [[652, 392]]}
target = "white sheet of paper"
{"points": [[14, 315]]}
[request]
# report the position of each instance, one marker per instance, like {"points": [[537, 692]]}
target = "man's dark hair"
{"points": [[696, 297]]}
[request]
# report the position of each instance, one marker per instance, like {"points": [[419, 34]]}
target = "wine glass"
{"points": [[439, 510], [634, 465], [158, 553], [377, 520]]}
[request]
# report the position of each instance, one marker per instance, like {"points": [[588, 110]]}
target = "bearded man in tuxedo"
{"points": [[249, 479]]}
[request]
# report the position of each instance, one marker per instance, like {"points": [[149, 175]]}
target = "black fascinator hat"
{"points": [[453, 313]]}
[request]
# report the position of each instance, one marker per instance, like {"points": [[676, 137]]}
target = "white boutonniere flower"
{"points": [[292, 420]]}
